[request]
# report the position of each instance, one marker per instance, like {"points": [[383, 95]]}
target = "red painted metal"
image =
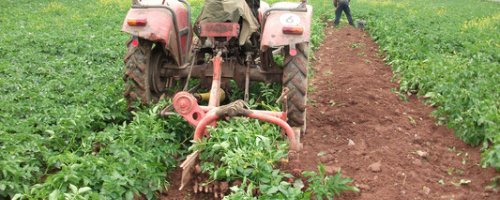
{"points": [[214, 92], [294, 145], [200, 130], [263, 7], [160, 27], [227, 30], [203, 116], [272, 33], [211, 117], [187, 105]]}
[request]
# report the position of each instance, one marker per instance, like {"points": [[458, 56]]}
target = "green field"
{"points": [[65, 132], [448, 52], [64, 128]]}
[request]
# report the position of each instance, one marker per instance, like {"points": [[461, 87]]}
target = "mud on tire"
{"points": [[137, 91], [295, 79]]}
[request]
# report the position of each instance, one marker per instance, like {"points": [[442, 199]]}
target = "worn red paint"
{"points": [[272, 33], [227, 30]]}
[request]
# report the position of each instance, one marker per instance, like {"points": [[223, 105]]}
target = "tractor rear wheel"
{"points": [[143, 83], [295, 79]]}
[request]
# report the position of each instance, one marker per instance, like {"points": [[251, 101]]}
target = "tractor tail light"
{"points": [[293, 30], [135, 41], [137, 22]]}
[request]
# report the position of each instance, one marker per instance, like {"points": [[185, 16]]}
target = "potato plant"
{"points": [[447, 52], [64, 128]]}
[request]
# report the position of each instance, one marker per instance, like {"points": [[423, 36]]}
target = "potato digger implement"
{"points": [[231, 40]]}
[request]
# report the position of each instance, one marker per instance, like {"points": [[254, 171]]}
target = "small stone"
{"points": [[326, 158], [350, 143], [426, 190], [375, 167], [490, 189], [422, 154]]}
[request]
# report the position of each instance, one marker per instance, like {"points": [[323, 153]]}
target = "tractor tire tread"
{"points": [[295, 79]]}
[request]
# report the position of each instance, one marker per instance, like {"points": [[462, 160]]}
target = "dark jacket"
{"points": [[336, 2]]}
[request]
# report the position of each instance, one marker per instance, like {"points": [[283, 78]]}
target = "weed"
{"points": [[322, 186]]}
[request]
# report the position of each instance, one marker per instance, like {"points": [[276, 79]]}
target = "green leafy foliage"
{"points": [[323, 186], [241, 148], [446, 51], [64, 129], [63, 122], [248, 150], [131, 159]]}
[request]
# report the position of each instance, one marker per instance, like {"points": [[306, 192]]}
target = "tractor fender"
{"points": [[263, 7], [285, 14], [161, 27]]}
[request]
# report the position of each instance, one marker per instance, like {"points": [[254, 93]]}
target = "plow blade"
{"points": [[188, 167]]}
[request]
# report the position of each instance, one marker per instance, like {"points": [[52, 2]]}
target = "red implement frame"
{"points": [[202, 116]]}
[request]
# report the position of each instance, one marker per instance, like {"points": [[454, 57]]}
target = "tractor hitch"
{"points": [[186, 104]]}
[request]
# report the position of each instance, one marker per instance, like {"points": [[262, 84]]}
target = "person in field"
{"points": [[342, 5]]}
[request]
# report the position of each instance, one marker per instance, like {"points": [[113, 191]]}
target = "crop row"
{"points": [[448, 52], [64, 129]]}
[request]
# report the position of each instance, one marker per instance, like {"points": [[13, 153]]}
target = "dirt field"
{"points": [[390, 147], [357, 123]]}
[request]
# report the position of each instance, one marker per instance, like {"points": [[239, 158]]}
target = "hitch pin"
{"points": [[283, 95]]}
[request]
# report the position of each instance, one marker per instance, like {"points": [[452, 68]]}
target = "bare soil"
{"points": [[355, 123], [392, 148]]}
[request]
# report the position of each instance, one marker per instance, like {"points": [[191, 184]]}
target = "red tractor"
{"points": [[231, 40]]}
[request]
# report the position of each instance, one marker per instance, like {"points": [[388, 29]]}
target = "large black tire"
{"points": [[140, 64], [295, 79]]}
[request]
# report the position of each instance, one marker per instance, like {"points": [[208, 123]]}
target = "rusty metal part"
{"points": [[216, 78], [229, 70], [247, 77], [202, 116], [157, 83], [234, 109], [224, 29], [187, 168], [167, 110], [283, 95], [186, 105], [190, 71], [218, 188], [206, 96]]}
